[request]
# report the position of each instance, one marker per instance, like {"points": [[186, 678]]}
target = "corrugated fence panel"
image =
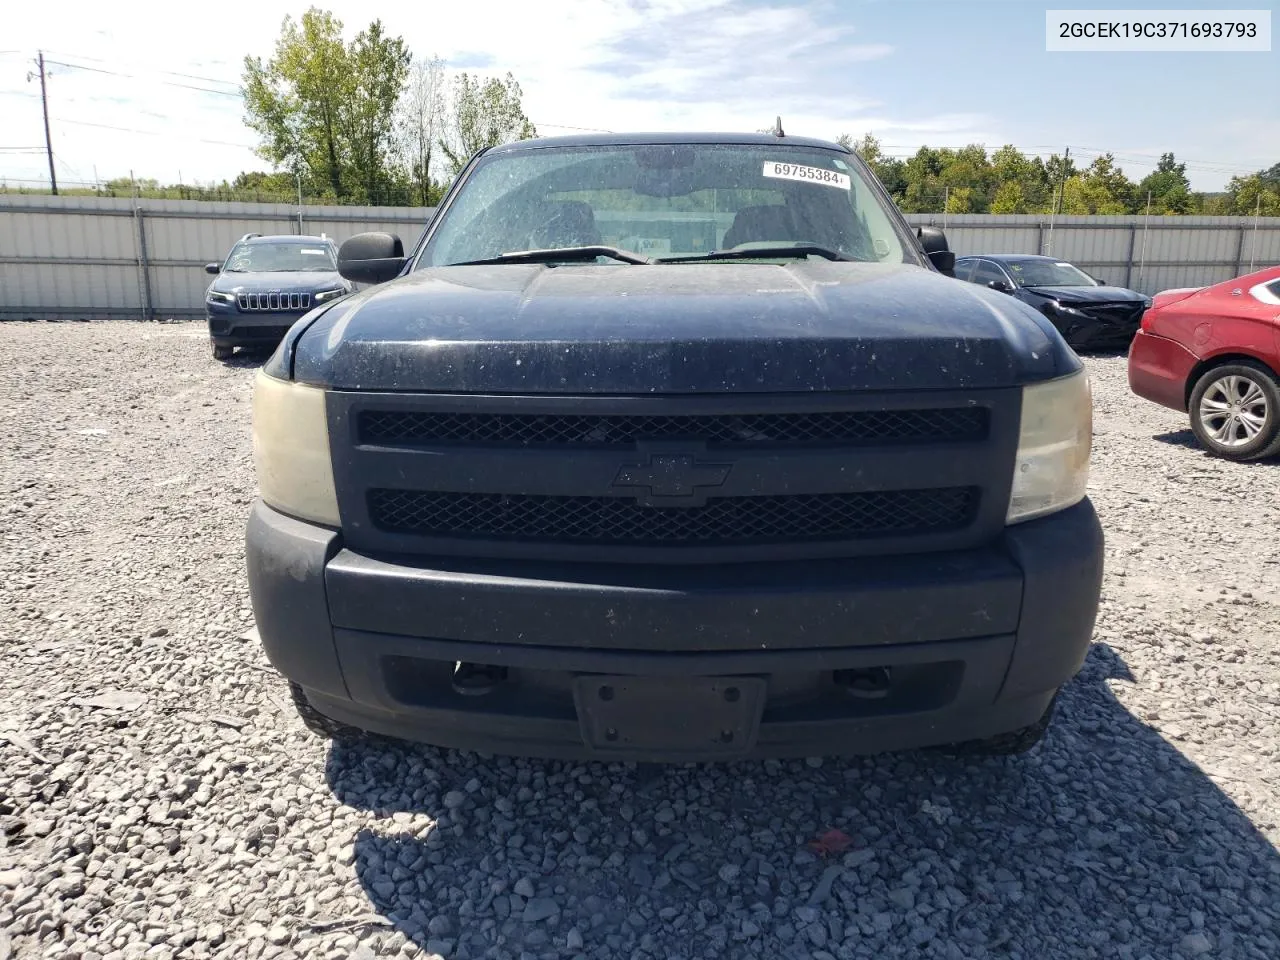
{"points": [[81, 257]]}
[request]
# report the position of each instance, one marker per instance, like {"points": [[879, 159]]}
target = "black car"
{"points": [[1087, 312], [265, 285], [672, 447]]}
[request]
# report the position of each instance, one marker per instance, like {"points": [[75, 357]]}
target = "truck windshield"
{"points": [[666, 201], [281, 258]]}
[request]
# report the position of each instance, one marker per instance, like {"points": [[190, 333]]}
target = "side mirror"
{"points": [[371, 257], [1000, 285], [934, 243], [214, 268]]}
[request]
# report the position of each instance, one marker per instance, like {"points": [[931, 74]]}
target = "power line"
{"points": [[171, 73], [131, 76], [152, 133]]}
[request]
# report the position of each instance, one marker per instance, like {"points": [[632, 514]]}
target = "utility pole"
{"points": [[48, 140], [1053, 206], [1253, 247]]}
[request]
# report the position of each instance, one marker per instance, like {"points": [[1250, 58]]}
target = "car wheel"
{"points": [[1006, 744], [317, 722], [1235, 411], [222, 352]]}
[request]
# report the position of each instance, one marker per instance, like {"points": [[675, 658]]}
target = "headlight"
{"points": [[1146, 304], [291, 450], [1052, 467], [217, 296], [324, 295], [1068, 311]]}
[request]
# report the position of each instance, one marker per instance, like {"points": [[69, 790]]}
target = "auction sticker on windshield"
{"points": [[791, 171]]}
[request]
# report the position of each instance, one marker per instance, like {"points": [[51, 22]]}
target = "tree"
{"points": [[1009, 198], [324, 109], [960, 200], [420, 125], [888, 170], [380, 66], [293, 101], [483, 115], [1250, 195], [1101, 189], [1168, 186]]}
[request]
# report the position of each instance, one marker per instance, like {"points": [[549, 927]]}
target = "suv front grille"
{"points": [[274, 301], [624, 521], [947, 424]]}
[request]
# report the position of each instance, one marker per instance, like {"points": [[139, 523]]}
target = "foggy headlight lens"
{"points": [[291, 450], [1052, 467]]}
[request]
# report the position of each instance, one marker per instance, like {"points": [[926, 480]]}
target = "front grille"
{"points": [[1122, 313], [622, 521], [274, 301], [953, 424]]}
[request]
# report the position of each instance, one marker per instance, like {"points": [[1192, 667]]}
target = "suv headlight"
{"points": [[291, 450], [1052, 467], [217, 296], [325, 295]]}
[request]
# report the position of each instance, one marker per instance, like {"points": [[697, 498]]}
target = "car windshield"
{"points": [[666, 201], [281, 257], [1047, 273]]}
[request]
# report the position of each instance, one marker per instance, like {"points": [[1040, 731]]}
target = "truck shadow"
{"points": [[1105, 841]]}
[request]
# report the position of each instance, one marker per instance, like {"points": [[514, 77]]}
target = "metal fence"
{"points": [[100, 258], [97, 258]]}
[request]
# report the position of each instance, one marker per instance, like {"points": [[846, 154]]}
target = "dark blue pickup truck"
{"points": [[669, 447]]}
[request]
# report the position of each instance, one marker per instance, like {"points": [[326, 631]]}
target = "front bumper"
{"points": [[975, 643], [232, 328], [1095, 333]]}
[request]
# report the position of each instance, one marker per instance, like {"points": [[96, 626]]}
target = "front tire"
{"points": [[1235, 411], [222, 352]]}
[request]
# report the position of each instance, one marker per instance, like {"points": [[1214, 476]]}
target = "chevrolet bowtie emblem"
{"points": [[672, 476]]}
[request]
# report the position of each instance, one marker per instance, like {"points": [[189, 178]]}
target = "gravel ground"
{"points": [[159, 798]]}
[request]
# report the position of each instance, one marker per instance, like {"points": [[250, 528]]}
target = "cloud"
{"points": [[658, 65]]}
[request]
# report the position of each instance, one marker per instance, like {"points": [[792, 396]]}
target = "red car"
{"points": [[1215, 353]]}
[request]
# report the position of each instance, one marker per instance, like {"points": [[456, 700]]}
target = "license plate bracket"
{"points": [[671, 716]]}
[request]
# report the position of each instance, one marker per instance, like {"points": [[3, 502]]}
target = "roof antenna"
{"points": [[777, 128]]}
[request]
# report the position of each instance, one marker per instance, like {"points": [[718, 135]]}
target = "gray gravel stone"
{"points": [[198, 819], [540, 908]]}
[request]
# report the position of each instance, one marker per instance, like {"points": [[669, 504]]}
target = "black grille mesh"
{"points": [[391, 427], [623, 521]]}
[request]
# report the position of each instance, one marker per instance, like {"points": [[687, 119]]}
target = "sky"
{"points": [[161, 98]]}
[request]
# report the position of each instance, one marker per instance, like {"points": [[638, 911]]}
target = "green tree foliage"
{"points": [[324, 108], [888, 170], [1168, 188], [1102, 188], [1009, 198], [482, 115], [1256, 193]]}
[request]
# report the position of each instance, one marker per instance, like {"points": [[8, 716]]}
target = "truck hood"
{"points": [[802, 326]]}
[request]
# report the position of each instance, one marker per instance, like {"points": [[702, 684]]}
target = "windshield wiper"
{"points": [[562, 253], [763, 253]]}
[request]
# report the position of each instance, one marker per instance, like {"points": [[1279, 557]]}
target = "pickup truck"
{"points": [[670, 448]]}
